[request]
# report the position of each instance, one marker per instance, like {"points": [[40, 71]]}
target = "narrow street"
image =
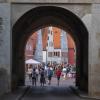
{"points": [[52, 92]]}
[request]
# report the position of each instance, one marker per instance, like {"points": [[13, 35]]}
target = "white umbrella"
{"points": [[32, 61]]}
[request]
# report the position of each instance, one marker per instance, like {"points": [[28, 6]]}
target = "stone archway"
{"points": [[44, 16]]}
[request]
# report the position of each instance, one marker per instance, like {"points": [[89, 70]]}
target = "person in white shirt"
{"points": [[64, 72], [37, 73]]}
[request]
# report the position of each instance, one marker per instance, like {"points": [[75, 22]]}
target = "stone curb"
{"points": [[78, 93], [17, 95], [23, 94]]}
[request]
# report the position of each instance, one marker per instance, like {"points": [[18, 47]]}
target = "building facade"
{"points": [[55, 49]]}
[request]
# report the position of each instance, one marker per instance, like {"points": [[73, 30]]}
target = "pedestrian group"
{"points": [[45, 74]]}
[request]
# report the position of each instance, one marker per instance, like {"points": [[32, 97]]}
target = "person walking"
{"points": [[34, 77], [37, 73], [58, 74], [64, 72], [49, 73], [42, 77]]}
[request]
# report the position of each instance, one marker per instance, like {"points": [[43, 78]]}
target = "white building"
{"points": [[64, 47], [52, 54], [39, 48], [50, 45]]}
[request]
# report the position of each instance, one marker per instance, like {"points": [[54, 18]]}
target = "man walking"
{"points": [[42, 77], [49, 73]]}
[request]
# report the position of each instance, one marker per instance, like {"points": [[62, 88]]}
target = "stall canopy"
{"points": [[32, 61]]}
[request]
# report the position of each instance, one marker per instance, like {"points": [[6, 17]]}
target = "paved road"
{"points": [[63, 82], [50, 93], [53, 92]]}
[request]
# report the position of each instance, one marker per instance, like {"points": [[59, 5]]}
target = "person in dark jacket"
{"points": [[42, 77]]}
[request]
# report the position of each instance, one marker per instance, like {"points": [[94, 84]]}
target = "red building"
{"points": [[71, 50]]}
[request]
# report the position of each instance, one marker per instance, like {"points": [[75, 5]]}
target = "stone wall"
{"points": [[20, 9], [55, 1], [5, 68], [92, 22], [87, 12], [94, 73], [3, 1]]}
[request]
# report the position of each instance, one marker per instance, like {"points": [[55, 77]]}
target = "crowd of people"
{"points": [[44, 73]]}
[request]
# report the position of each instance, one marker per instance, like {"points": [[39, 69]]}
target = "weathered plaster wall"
{"points": [[5, 67], [87, 20], [20, 9], [55, 1], [3, 1], [87, 10], [94, 72]]}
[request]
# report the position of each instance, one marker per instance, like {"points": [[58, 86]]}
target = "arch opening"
{"points": [[50, 47], [38, 18]]}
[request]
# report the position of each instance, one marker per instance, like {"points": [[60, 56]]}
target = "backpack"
{"points": [[50, 72]]}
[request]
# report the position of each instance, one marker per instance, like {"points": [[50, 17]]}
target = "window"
{"points": [[64, 54], [50, 54], [54, 53], [58, 54]]}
